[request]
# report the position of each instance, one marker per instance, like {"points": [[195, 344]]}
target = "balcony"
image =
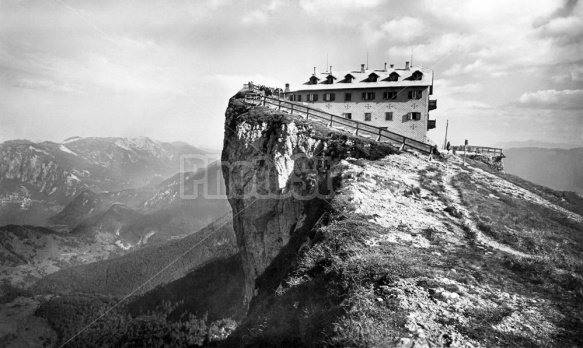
{"points": [[431, 124], [432, 105]]}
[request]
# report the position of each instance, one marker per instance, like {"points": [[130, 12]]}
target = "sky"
{"points": [[504, 70]]}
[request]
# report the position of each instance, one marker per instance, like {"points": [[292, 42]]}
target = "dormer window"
{"points": [[313, 80], [330, 79], [393, 77], [348, 78], [417, 76], [373, 77]]}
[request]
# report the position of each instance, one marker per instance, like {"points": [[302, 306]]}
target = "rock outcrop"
{"points": [[279, 174], [493, 161]]}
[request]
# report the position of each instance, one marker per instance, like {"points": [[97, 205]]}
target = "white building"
{"points": [[397, 99]]}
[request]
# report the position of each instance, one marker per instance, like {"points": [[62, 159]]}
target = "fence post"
{"points": [[379, 137], [279, 105], [292, 109], [307, 113], [330, 124], [403, 145], [264, 100], [356, 131]]}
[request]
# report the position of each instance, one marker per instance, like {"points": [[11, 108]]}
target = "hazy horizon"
{"points": [[504, 71]]}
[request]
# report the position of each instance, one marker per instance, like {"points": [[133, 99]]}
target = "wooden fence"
{"points": [[340, 123], [479, 149]]}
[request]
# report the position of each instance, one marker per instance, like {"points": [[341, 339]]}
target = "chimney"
{"points": [[406, 65], [314, 74], [330, 69], [286, 88], [392, 66], [385, 66], [362, 68]]}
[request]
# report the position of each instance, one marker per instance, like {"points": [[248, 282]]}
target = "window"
{"points": [[347, 115], [347, 96], [415, 94], [417, 75], [393, 77], [389, 95], [388, 116], [367, 116], [414, 116], [329, 96], [330, 79], [295, 97], [312, 97], [313, 80], [367, 95], [373, 77]]}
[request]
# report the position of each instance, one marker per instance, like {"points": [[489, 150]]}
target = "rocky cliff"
{"points": [[393, 250], [279, 173]]}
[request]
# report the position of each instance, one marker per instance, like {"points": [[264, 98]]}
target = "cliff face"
{"points": [[279, 174]]}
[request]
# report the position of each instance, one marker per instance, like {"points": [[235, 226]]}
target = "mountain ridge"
{"points": [[36, 179]]}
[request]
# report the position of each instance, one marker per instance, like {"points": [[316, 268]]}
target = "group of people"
{"points": [[269, 91]]}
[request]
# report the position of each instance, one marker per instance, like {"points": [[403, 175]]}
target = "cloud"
{"points": [[261, 15], [317, 6], [552, 99], [345, 13], [458, 69], [46, 85], [484, 125], [445, 87], [503, 36], [437, 49], [565, 31], [255, 17], [564, 11], [402, 30]]}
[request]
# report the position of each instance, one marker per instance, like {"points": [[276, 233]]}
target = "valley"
{"points": [[93, 223]]}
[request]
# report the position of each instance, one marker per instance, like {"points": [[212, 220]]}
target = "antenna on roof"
{"points": [[367, 60], [411, 55], [326, 62]]}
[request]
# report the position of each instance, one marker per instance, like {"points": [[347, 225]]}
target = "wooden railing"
{"points": [[357, 128], [478, 149]]}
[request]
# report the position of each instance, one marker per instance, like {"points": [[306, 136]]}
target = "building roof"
{"points": [[361, 79]]}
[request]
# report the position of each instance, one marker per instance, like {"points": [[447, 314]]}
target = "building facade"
{"points": [[397, 99]]}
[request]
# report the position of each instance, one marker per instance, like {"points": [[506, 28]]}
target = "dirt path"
{"points": [[453, 168]]}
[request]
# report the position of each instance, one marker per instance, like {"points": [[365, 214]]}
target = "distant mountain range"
{"points": [[559, 169], [537, 143], [61, 204], [38, 179]]}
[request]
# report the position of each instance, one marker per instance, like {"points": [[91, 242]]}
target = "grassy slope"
{"points": [[124, 274], [354, 284]]}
